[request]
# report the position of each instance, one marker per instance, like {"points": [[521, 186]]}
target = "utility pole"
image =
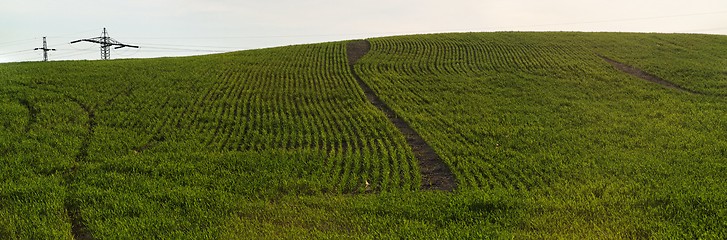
{"points": [[106, 43], [45, 50]]}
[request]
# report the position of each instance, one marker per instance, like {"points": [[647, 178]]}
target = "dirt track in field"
{"points": [[78, 227], [71, 204], [436, 175], [646, 76]]}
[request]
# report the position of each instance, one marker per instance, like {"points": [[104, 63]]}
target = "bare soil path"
{"points": [[646, 76], [436, 175]]}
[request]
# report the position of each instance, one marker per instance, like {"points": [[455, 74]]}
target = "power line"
{"points": [[219, 49], [707, 29], [16, 52], [17, 42], [186, 49], [75, 33], [441, 30], [61, 56], [187, 46], [106, 43], [628, 19]]}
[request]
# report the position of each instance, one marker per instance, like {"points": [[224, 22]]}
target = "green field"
{"points": [[544, 137]]}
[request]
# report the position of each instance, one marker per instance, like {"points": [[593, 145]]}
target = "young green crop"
{"points": [[153, 146], [546, 139], [542, 113]]}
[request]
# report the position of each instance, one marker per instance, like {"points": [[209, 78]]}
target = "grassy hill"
{"points": [[544, 137]]}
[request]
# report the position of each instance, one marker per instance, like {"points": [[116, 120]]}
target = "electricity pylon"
{"points": [[45, 50], [106, 44]]}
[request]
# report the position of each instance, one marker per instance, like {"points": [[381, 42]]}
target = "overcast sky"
{"points": [[193, 27]]}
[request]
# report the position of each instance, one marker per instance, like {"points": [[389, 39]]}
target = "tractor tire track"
{"points": [[436, 175], [33, 113], [646, 76], [72, 202], [72, 205]]}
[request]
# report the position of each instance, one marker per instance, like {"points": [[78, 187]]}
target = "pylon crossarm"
{"points": [[45, 50], [125, 45], [106, 43]]}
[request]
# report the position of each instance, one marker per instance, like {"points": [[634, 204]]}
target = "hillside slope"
{"points": [[544, 137]]}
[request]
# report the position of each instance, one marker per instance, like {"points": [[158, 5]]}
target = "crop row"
{"points": [[695, 62], [426, 81], [509, 110], [294, 98], [476, 56], [300, 98]]}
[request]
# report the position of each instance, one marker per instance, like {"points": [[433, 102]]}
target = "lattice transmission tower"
{"points": [[106, 43], [45, 50]]}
